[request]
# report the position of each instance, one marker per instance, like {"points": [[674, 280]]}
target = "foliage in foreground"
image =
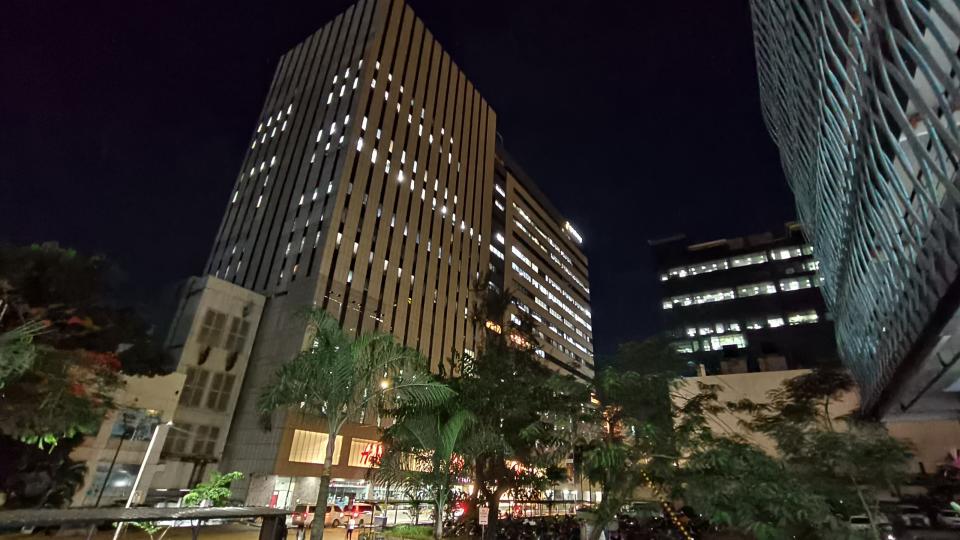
{"points": [[827, 468], [214, 492], [63, 346], [412, 532]]}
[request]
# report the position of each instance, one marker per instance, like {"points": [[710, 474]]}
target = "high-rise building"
{"points": [[537, 258], [370, 188], [748, 304], [861, 98]]}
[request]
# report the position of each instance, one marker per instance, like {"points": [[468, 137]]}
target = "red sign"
{"points": [[371, 454]]}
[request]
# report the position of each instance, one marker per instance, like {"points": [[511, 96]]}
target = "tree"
{"points": [[339, 377], [74, 296], [628, 431], [63, 344], [525, 414], [821, 460], [845, 458], [420, 452]]}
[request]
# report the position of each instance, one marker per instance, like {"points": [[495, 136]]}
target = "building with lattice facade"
{"points": [[861, 98]]}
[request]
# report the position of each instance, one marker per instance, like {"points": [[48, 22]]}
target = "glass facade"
{"points": [[861, 98]]}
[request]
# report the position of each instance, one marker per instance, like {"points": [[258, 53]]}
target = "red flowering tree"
{"points": [[66, 344]]}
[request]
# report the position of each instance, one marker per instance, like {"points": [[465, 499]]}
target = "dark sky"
{"points": [[123, 124]]}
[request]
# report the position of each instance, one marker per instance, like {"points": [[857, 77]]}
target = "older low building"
{"points": [[114, 455], [211, 336]]}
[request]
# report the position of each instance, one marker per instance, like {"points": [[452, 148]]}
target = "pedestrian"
{"points": [[351, 525]]}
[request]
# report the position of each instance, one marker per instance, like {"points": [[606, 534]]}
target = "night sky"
{"points": [[123, 124]]}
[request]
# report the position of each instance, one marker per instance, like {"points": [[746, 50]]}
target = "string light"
{"points": [[667, 506]]}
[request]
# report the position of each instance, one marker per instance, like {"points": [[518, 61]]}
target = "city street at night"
{"points": [[410, 269]]}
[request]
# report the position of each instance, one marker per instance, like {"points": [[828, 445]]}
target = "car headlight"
{"points": [[890, 536]]}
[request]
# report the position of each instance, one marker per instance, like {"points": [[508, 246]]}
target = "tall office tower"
{"points": [[537, 258], [746, 304], [368, 190], [861, 97]]}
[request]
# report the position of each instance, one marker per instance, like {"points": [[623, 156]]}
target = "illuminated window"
{"points": [[785, 253], [795, 284], [775, 322], [755, 289], [311, 447], [806, 317], [748, 260], [734, 340], [364, 453]]}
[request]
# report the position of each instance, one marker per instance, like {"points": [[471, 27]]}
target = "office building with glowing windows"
{"points": [[747, 304], [369, 189], [862, 99]]}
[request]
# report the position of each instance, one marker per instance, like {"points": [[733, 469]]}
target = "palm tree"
{"points": [[420, 451], [339, 377]]}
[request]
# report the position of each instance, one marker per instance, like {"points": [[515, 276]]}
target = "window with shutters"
{"points": [[177, 439], [220, 388], [205, 440], [237, 336], [194, 386], [211, 328]]}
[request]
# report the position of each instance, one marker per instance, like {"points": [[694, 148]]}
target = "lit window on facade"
{"points": [[795, 284]]}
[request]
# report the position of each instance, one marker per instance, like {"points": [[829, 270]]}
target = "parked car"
{"points": [[948, 517], [304, 514], [642, 510], [361, 512], [912, 516], [862, 523]]}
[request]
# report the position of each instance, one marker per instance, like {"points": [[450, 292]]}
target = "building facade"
{"points": [[369, 190], [212, 337], [115, 454], [862, 100], [537, 258], [745, 304]]}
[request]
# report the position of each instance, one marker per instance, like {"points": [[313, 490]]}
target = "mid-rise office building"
{"points": [[370, 188], [745, 304], [862, 100], [538, 259]]}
